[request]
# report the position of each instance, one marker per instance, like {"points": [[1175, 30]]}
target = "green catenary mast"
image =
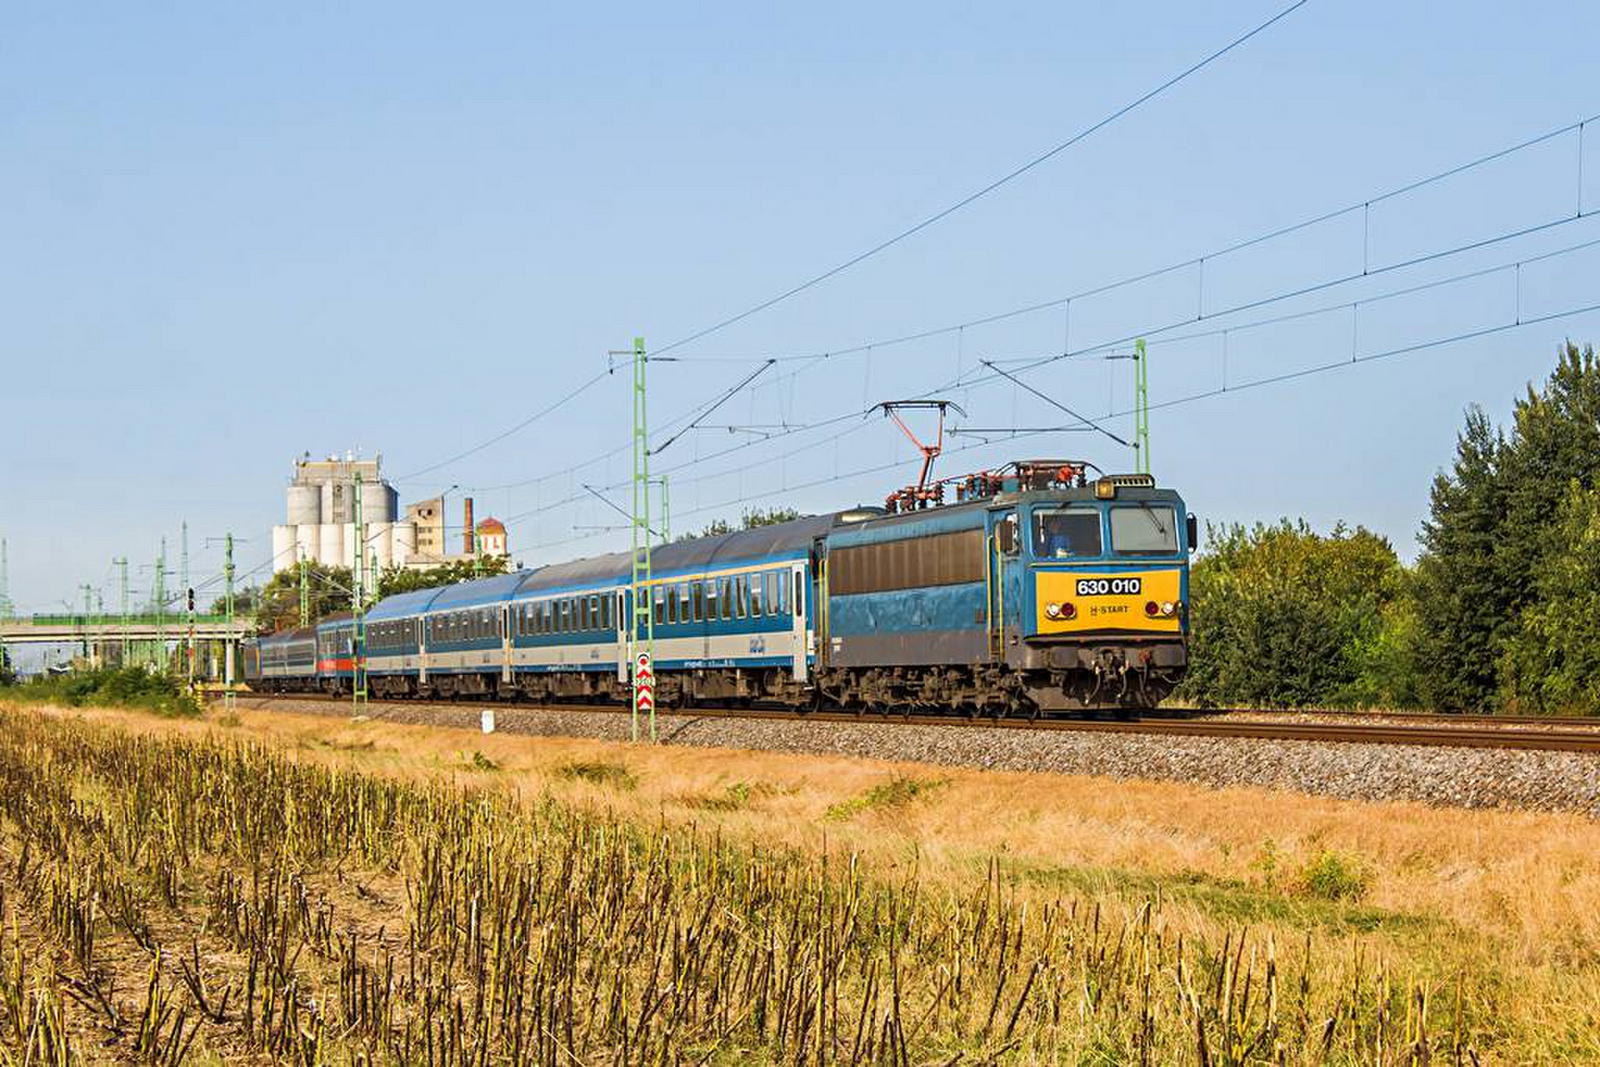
{"points": [[358, 612], [161, 609], [227, 608], [121, 563], [6, 609], [305, 591], [1141, 406], [642, 627]]}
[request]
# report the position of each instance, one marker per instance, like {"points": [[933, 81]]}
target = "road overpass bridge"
{"points": [[106, 629]]}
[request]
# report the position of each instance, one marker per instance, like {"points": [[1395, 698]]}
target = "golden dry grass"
{"points": [[1510, 899], [1531, 878]]}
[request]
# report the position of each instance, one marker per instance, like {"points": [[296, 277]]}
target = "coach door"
{"points": [[422, 650], [624, 655], [505, 643], [797, 580]]}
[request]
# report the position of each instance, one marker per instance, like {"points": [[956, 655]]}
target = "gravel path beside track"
{"points": [[1454, 777]]}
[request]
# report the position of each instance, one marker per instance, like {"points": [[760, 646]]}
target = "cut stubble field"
{"points": [[314, 889]]}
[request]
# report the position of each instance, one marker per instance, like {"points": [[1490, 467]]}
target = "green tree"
{"points": [[403, 580], [1551, 662], [279, 605], [1495, 534], [1284, 616], [1462, 604], [751, 518], [245, 601]]}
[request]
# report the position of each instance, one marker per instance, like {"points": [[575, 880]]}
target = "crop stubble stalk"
{"points": [[506, 932]]}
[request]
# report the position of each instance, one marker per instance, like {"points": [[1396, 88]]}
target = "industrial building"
{"points": [[321, 520], [321, 515]]}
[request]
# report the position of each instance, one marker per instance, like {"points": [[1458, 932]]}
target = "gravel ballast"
{"points": [[1443, 776]]}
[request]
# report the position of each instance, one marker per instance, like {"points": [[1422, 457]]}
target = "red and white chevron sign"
{"points": [[644, 683]]}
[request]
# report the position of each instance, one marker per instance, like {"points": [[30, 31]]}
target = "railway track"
{"points": [[1556, 735]]}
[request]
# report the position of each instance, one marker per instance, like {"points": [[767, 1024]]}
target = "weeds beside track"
{"points": [[187, 894]]}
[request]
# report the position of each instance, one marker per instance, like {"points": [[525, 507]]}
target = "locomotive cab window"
{"points": [[1066, 534], [1144, 531]]}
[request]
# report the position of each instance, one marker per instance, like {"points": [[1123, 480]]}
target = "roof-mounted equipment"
{"points": [[1106, 486]]}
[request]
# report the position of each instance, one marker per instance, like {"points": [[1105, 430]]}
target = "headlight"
{"points": [[1052, 611], [1168, 608]]}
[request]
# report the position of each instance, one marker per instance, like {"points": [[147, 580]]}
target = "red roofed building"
{"points": [[492, 538]]}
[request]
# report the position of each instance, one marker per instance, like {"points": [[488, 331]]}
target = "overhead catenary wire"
{"points": [[1155, 329], [967, 381], [1363, 205], [1322, 368], [524, 424], [979, 194]]}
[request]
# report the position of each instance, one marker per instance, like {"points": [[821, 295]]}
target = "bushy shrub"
{"points": [[128, 687]]}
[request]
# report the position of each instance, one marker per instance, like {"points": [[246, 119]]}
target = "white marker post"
{"points": [[644, 690]]}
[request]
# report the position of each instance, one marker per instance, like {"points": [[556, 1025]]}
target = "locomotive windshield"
{"points": [[1065, 534], [1145, 530]]}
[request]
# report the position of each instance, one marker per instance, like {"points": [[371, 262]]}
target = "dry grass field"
{"points": [[316, 890]]}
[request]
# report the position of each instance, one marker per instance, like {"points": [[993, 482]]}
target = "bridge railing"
{"points": [[176, 621]]}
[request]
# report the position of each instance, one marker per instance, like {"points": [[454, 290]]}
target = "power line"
{"points": [[1363, 205], [524, 424], [987, 189], [1033, 363], [1175, 402], [997, 374]]}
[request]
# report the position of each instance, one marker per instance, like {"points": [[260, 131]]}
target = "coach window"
{"points": [[797, 606], [1067, 533], [738, 597], [672, 604], [725, 596], [659, 595], [711, 599], [697, 601], [755, 593]]}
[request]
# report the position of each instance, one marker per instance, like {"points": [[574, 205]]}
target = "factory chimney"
{"points": [[468, 529]]}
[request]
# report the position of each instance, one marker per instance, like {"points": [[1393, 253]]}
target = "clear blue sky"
{"points": [[235, 233]]}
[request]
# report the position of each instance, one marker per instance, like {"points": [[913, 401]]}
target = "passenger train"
{"points": [[1038, 591]]}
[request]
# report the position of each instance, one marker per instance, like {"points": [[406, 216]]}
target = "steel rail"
{"points": [[1556, 739]]}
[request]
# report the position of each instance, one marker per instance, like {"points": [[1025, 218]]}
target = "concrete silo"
{"points": [[403, 544], [380, 542], [330, 551], [305, 505], [283, 547], [307, 544]]}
